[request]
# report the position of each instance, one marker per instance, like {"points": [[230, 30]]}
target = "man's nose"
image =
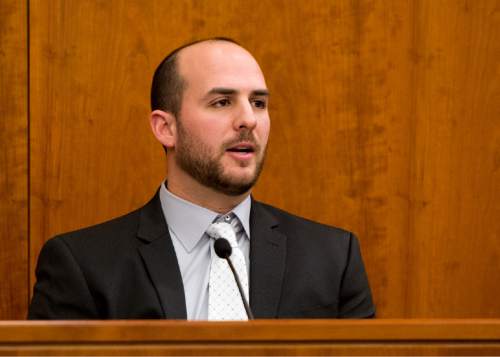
{"points": [[245, 117]]}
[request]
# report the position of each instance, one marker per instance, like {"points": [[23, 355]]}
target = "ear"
{"points": [[164, 127]]}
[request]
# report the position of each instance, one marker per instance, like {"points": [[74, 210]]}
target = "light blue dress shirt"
{"points": [[187, 224]]}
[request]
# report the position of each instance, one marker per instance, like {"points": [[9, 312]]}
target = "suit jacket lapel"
{"points": [[267, 262], [160, 260]]}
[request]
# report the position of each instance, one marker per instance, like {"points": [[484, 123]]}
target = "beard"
{"points": [[196, 159]]}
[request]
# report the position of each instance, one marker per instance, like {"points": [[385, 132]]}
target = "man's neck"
{"points": [[187, 188]]}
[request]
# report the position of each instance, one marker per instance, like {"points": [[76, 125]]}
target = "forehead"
{"points": [[211, 64]]}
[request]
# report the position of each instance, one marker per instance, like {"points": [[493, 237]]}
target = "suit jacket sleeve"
{"points": [[61, 291], [355, 299]]}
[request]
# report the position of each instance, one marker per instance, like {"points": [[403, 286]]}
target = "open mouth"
{"points": [[242, 148]]}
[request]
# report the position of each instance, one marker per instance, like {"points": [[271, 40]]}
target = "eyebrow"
{"points": [[231, 91]]}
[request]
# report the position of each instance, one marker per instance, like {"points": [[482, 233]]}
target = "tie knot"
{"points": [[227, 226], [233, 220], [222, 230]]}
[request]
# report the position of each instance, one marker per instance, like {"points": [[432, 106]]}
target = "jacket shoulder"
{"points": [[112, 229]]}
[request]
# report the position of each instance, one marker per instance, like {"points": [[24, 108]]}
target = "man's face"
{"points": [[223, 124]]}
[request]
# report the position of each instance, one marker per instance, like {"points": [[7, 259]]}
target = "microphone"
{"points": [[223, 250]]}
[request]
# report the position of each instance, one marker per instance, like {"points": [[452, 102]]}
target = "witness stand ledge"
{"points": [[259, 337]]}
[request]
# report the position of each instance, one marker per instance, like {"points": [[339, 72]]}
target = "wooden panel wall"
{"points": [[455, 167], [384, 121], [13, 160]]}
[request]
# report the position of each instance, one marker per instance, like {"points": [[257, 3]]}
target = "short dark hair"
{"points": [[168, 85]]}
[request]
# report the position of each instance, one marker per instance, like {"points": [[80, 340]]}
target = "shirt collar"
{"points": [[189, 221]]}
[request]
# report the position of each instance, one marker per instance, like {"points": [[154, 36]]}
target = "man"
{"points": [[209, 111]]}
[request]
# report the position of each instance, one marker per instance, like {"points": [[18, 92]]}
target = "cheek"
{"points": [[264, 129], [204, 130], [197, 122]]}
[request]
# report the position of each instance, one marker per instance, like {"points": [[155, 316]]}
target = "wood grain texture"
{"points": [[256, 349], [455, 171], [384, 122], [264, 337], [13, 160]]}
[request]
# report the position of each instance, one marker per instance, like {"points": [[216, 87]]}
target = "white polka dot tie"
{"points": [[224, 300]]}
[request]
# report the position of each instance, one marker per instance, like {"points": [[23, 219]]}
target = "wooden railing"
{"points": [[261, 337]]}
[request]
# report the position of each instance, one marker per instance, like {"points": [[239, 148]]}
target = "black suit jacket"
{"points": [[127, 269]]}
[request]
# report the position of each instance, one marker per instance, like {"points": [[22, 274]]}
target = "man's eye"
{"points": [[261, 104], [221, 103]]}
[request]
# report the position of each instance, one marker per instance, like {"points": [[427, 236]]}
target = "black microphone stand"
{"points": [[245, 302], [223, 250]]}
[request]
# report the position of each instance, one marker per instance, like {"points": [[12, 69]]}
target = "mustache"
{"points": [[244, 136]]}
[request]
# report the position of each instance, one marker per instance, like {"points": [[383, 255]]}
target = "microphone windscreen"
{"points": [[222, 248]]}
